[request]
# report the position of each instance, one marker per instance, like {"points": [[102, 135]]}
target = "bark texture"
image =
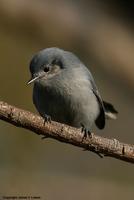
{"points": [[100, 145]]}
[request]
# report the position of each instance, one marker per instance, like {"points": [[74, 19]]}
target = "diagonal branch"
{"points": [[100, 145]]}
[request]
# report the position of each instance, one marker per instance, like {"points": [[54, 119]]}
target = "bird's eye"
{"points": [[46, 69]]}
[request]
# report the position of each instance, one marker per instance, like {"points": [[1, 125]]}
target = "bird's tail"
{"points": [[110, 111]]}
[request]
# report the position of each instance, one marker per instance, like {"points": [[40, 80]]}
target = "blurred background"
{"points": [[101, 34]]}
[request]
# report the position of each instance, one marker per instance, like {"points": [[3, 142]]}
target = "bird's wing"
{"points": [[100, 121]]}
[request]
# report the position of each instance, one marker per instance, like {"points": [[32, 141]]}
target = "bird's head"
{"points": [[47, 63]]}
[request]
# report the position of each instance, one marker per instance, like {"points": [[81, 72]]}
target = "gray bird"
{"points": [[65, 90]]}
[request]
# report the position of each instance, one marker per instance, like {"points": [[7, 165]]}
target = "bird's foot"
{"points": [[47, 119], [86, 132]]}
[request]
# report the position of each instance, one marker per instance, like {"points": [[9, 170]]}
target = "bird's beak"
{"points": [[33, 79]]}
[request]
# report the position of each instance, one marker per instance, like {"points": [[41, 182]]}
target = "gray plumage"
{"points": [[65, 90]]}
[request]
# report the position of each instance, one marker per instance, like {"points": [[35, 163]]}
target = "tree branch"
{"points": [[100, 145]]}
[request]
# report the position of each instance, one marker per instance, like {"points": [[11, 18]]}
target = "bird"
{"points": [[65, 91]]}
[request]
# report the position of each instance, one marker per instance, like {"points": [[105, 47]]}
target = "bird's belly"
{"points": [[86, 113], [73, 113]]}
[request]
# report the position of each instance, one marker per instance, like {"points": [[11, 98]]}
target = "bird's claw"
{"points": [[85, 131], [47, 118]]}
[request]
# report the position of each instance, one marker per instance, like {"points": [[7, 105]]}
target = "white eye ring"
{"points": [[57, 62]]}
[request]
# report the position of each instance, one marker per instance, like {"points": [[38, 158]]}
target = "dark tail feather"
{"points": [[110, 111]]}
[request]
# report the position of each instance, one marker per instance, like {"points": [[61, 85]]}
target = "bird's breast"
{"points": [[52, 102], [70, 103]]}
